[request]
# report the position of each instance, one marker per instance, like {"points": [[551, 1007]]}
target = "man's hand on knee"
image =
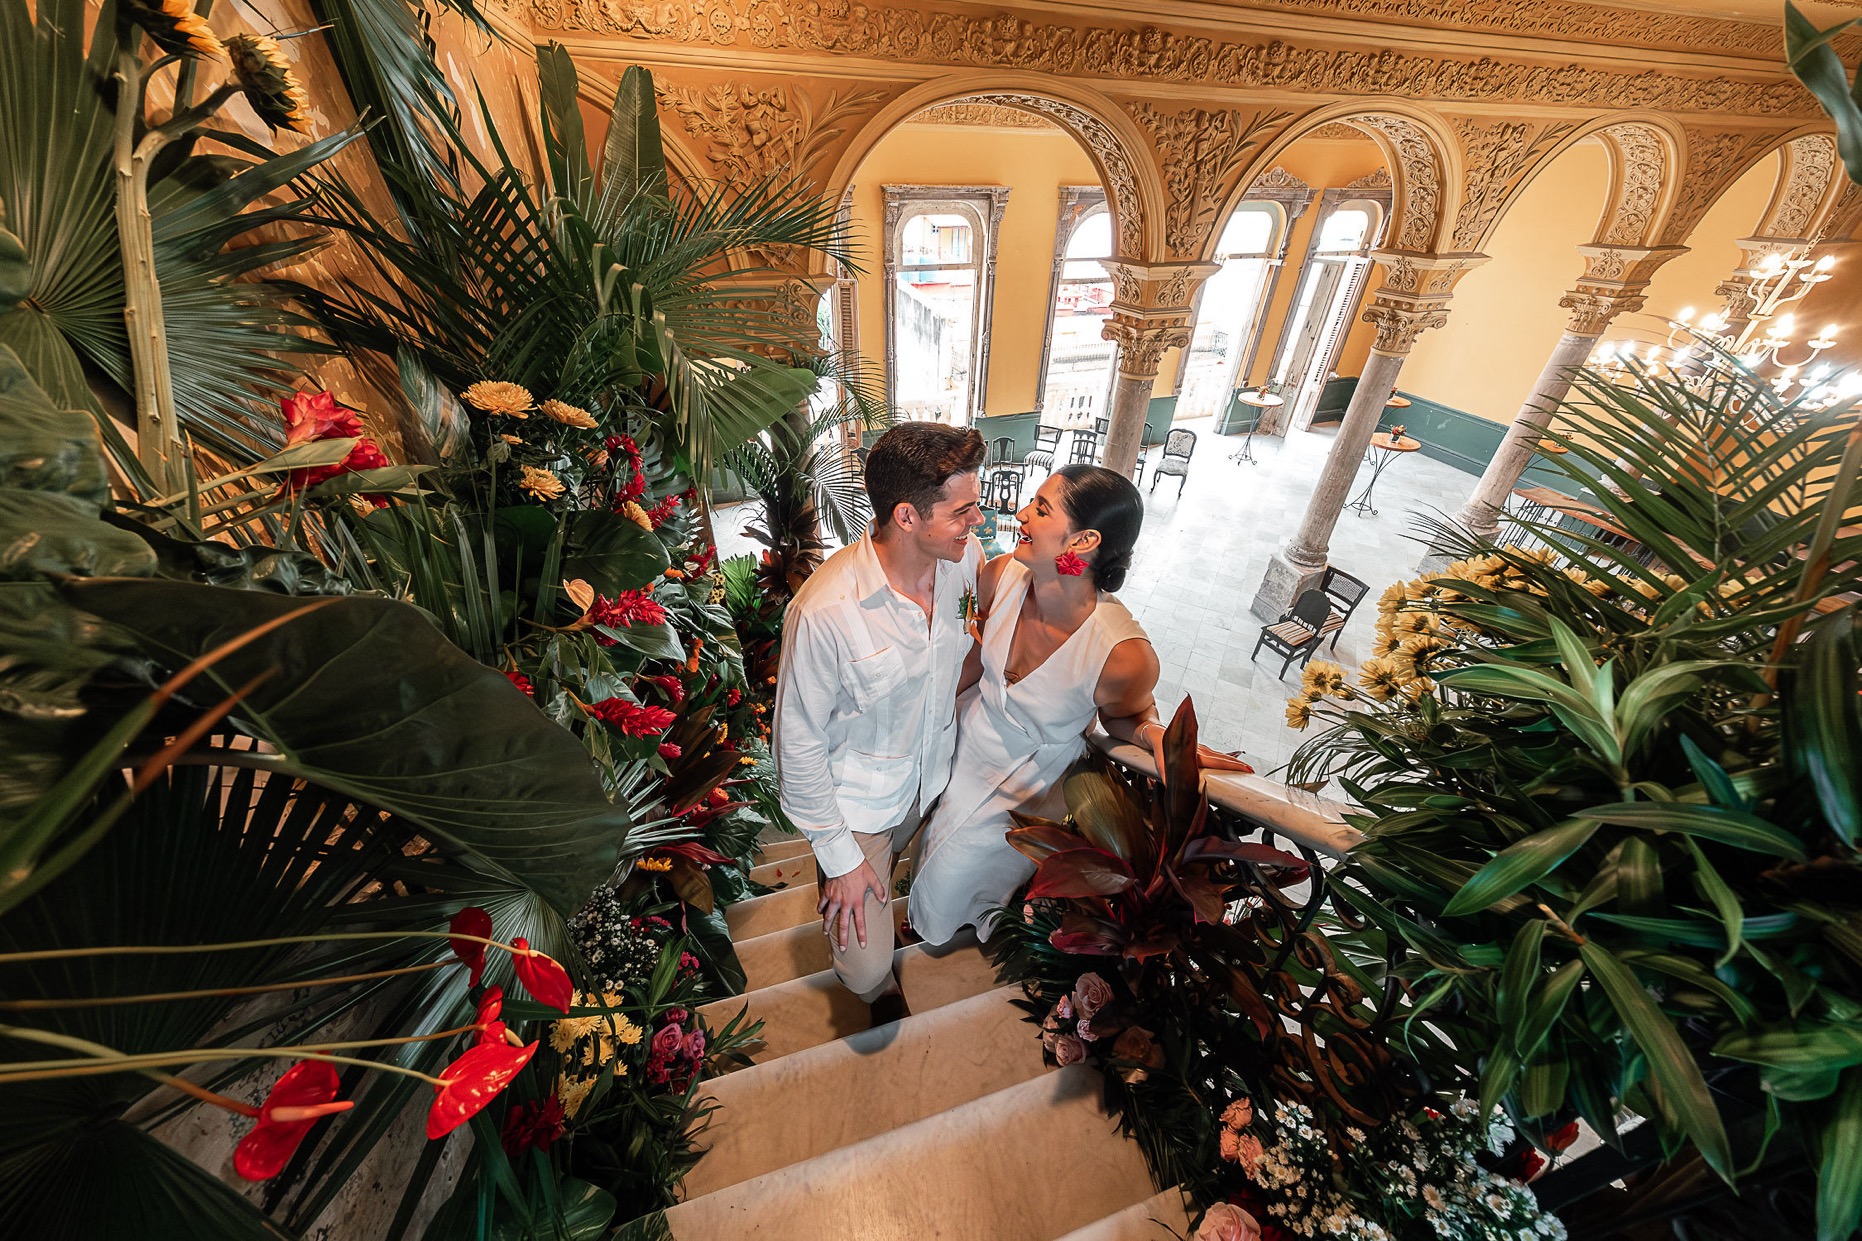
{"points": [[843, 901]]}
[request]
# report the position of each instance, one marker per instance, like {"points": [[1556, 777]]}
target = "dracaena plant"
{"points": [[1610, 794]]}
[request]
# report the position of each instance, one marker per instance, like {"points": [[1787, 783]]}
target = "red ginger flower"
{"points": [[543, 976], [669, 751], [632, 719], [471, 921], [302, 1097], [317, 416], [658, 514], [625, 609], [522, 682], [669, 685], [474, 1080]]}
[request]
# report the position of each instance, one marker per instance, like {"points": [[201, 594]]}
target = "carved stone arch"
{"points": [[1810, 183], [1716, 158], [1419, 151], [1134, 187], [1645, 176]]}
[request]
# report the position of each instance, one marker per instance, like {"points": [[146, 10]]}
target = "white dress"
{"points": [[1014, 743]]}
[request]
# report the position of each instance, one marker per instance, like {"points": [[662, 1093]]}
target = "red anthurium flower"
{"points": [[490, 1004], [472, 1081], [471, 921], [1562, 1137], [543, 977], [302, 1097]]}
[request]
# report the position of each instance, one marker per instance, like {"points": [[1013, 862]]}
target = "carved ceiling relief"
{"points": [[1715, 158], [1121, 182], [1810, 165], [1422, 178], [1200, 151], [1495, 157], [1845, 217], [1004, 41], [1643, 158], [986, 115], [755, 132]]}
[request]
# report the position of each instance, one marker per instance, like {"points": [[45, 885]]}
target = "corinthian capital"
{"points": [[1142, 341], [1398, 324], [1593, 309]]}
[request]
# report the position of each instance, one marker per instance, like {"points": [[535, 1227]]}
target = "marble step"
{"points": [[794, 952], [1160, 1217], [789, 872], [863, 1085], [807, 1012], [1034, 1160], [780, 846]]}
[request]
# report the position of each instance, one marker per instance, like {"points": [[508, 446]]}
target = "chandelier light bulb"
{"points": [[1686, 315], [1825, 263]]}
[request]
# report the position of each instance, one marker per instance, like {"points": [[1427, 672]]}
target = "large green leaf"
{"points": [[633, 160], [1818, 67], [365, 697], [1839, 1179], [611, 552], [1683, 1091], [1728, 827], [1521, 864], [1823, 715]]}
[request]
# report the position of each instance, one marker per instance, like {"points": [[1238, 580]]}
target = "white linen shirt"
{"points": [[866, 699]]}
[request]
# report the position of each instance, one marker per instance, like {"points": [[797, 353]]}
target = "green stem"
{"points": [[153, 997], [50, 1070], [158, 439], [163, 950]]}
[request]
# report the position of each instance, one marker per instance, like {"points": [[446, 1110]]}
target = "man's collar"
{"points": [[869, 576]]}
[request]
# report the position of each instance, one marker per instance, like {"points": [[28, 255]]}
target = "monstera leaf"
{"points": [[365, 697]]}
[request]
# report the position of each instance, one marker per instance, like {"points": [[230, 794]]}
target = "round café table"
{"points": [[1260, 402], [1384, 449]]}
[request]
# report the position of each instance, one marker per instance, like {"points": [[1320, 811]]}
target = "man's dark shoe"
{"points": [[889, 1008]]}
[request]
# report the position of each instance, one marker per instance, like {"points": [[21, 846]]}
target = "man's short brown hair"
{"points": [[911, 463]]}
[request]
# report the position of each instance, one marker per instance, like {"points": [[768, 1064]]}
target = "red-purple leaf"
{"points": [[1204, 895], [1086, 936], [1156, 944], [1038, 841], [1080, 872], [1214, 848]]}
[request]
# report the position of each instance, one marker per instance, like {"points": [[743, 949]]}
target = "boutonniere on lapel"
{"points": [[970, 614]]}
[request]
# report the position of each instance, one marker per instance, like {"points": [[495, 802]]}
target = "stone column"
{"points": [[1151, 313], [1299, 566], [1591, 313]]}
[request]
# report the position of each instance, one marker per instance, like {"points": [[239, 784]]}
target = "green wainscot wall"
{"points": [[1468, 442]]}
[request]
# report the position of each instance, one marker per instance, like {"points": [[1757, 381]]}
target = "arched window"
{"points": [[1077, 370], [1331, 286], [940, 264], [1229, 307]]}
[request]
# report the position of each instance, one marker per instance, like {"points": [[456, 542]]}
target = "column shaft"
{"points": [[1482, 511], [1131, 402]]}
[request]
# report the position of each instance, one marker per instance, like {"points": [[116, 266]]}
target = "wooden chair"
{"points": [[1297, 633], [1002, 489], [1179, 446], [1085, 448], [1345, 593], [1046, 448], [1002, 452]]}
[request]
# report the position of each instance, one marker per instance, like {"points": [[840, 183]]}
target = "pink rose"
{"points": [[1231, 1146], [1227, 1222], [1086, 1032], [1239, 1114], [669, 1041], [1068, 1050], [1090, 994], [1064, 1009]]}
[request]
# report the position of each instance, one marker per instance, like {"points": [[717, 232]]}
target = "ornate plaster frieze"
{"points": [[1715, 158], [1201, 151], [1642, 170], [1495, 157], [921, 35], [754, 132], [1121, 180], [1592, 310], [1375, 179], [985, 115], [1810, 166], [1424, 276], [1844, 218], [1337, 131], [1154, 290], [1421, 208], [1399, 323], [1622, 269], [1278, 178]]}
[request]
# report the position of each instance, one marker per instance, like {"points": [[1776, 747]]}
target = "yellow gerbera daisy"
{"points": [[1321, 678], [494, 396], [1299, 713], [1419, 650], [265, 75], [1381, 678], [541, 483], [567, 414], [174, 26]]}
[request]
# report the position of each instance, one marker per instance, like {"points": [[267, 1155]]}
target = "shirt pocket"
{"points": [[872, 680]]}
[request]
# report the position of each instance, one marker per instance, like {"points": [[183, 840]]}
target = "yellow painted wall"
{"points": [[1505, 316], [1034, 164], [1322, 163], [1711, 257]]}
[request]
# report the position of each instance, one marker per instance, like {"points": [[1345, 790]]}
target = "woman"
{"points": [[1056, 649]]}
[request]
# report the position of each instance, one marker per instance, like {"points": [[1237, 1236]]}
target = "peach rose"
{"points": [[1068, 1050], [1090, 994], [1239, 1114], [1227, 1222]]}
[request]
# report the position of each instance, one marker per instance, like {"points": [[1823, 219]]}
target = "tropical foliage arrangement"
{"points": [[339, 720], [1610, 797]]}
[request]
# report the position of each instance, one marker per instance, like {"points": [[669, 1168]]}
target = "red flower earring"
{"points": [[1069, 565]]}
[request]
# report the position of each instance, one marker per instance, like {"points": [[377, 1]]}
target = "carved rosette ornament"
{"points": [[1201, 151], [1593, 310]]}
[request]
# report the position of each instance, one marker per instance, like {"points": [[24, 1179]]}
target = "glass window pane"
{"points": [[933, 318], [1231, 300], [1248, 232], [1345, 230], [940, 238], [1093, 238]]}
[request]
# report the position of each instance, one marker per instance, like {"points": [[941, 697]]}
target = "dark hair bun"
{"points": [[1104, 500]]}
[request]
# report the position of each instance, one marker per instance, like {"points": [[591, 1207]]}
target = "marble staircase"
{"points": [[945, 1124]]}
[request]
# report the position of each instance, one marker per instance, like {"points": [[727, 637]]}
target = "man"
{"points": [[866, 723]]}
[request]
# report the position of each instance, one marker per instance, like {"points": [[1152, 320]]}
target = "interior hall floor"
{"points": [[1201, 558]]}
